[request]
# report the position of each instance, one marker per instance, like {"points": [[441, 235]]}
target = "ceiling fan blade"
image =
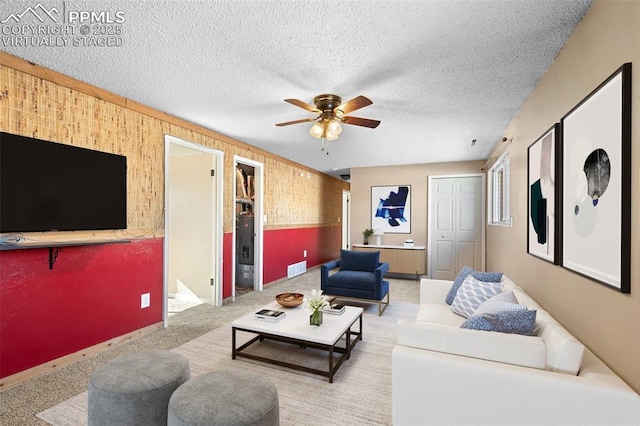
{"points": [[288, 123], [353, 104], [364, 122], [303, 105]]}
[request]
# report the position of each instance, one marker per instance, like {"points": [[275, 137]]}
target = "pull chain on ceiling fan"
{"points": [[331, 112]]}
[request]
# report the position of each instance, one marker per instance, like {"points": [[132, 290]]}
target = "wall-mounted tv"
{"points": [[47, 186]]}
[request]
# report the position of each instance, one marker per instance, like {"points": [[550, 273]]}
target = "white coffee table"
{"points": [[295, 329]]}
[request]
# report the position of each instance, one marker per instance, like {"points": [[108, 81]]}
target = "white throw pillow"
{"points": [[501, 302], [472, 294]]}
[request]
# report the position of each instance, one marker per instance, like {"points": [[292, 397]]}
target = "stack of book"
{"points": [[269, 315], [334, 309]]}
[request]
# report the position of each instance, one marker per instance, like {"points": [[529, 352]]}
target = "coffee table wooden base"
{"points": [[333, 363]]}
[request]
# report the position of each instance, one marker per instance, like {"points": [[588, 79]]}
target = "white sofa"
{"points": [[445, 375]]}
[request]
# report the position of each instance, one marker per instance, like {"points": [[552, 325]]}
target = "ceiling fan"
{"points": [[331, 112]]}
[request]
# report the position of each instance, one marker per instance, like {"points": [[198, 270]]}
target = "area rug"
{"points": [[360, 393]]}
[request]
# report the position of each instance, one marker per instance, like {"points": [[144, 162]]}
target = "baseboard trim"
{"points": [[56, 364]]}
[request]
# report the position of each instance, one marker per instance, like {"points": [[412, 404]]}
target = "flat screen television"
{"points": [[48, 186]]}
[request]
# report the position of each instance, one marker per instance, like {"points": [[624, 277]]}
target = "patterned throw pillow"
{"points": [[472, 293], [513, 322], [466, 270], [499, 303]]}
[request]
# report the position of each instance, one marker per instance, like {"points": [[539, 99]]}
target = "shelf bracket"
{"points": [[53, 255]]}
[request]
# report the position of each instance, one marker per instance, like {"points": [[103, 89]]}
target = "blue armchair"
{"points": [[360, 277]]}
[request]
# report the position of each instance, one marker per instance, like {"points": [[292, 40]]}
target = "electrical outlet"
{"points": [[305, 253], [145, 300]]}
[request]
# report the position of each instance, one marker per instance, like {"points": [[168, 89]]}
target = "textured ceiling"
{"points": [[439, 73]]}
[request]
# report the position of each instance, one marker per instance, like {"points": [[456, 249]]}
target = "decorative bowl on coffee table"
{"points": [[290, 300]]}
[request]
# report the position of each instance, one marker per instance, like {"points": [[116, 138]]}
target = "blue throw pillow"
{"points": [[487, 276], [513, 322], [366, 261]]}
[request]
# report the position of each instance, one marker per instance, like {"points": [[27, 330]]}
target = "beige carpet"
{"points": [[360, 394]]}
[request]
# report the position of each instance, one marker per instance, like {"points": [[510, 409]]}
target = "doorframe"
{"points": [[346, 220], [482, 209], [258, 225], [218, 161]]}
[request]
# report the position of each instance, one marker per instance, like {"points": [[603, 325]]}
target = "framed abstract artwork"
{"points": [[391, 209], [543, 232], [596, 184]]}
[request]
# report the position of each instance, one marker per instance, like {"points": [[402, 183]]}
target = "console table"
{"points": [[401, 259]]}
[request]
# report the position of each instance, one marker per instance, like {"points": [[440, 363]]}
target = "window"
{"points": [[499, 176]]}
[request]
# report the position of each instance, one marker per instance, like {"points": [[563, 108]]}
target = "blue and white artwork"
{"points": [[391, 209]]}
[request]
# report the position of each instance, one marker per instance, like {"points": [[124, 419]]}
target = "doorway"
{"points": [[247, 271], [455, 224], [193, 223]]}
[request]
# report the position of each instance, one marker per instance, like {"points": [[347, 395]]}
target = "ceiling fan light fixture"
{"points": [[317, 129], [331, 114], [331, 136], [334, 127]]}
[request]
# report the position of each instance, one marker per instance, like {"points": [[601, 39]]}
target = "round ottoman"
{"points": [[135, 389], [226, 398]]}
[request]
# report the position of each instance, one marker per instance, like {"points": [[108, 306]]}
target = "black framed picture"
{"points": [[596, 184], [543, 232]]}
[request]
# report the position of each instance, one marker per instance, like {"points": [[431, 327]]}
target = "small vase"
{"points": [[315, 318]]}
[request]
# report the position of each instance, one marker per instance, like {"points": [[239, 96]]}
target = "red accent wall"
{"points": [[283, 247], [227, 267], [93, 292], [91, 295]]}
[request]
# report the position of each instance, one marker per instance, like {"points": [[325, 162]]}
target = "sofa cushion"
{"points": [[438, 313], [564, 351], [527, 351], [514, 322], [366, 261], [472, 294], [505, 301]]}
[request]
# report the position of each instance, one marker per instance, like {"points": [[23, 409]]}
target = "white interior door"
{"points": [[456, 224]]}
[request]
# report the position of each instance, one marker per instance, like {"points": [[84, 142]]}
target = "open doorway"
{"points": [[193, 224], [248, 230]]}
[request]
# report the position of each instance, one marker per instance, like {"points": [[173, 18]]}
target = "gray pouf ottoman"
{"points": [[226, 398], [135, 389]]}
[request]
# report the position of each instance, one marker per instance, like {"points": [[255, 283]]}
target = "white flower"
{"points": [[316, 300]]}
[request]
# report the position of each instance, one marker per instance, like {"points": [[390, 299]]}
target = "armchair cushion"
{"points": [[354, 279], [359, 260]]}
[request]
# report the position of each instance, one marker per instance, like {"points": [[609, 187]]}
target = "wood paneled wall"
{"points": [[40, 103]]}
